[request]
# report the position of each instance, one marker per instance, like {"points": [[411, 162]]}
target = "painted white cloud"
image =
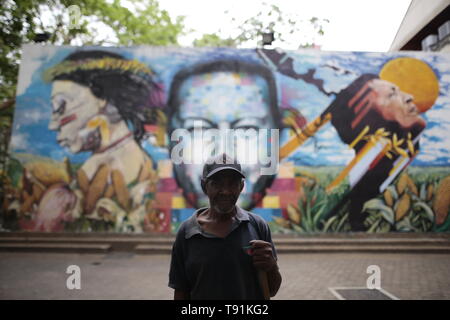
{"points": [[376, 64], [430, 145], [445, 78], [431, 150], [438, 131], [306, 56], [442, 65], [373, 55], [329, 133], [19, 141], [440, 148], [343, 157], [33, 55], [155, 52], [427, 157], [441, 116], [443, 100], [307, 148], [32, 116]]}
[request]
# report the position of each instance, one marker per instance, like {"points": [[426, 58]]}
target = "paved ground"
{"points": [[306, 276]]}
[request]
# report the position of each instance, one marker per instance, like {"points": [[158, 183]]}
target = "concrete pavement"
{"points": [[126, 275]]}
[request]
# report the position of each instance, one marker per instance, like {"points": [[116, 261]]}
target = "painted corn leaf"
{"points": [[377, 204], [426, 208]]}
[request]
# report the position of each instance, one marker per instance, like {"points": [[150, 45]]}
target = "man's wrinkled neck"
{"points": [[220, 216]]}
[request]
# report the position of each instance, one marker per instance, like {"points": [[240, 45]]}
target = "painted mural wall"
{"points": [[359, 141]]}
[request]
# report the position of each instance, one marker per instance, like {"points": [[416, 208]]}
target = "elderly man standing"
{"points": [[223, 251]]}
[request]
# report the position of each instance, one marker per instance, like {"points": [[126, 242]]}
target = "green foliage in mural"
{"points": [[312, 213], [410, 204]]}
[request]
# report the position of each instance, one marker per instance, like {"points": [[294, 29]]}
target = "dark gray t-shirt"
{"points": [[209, 267]]}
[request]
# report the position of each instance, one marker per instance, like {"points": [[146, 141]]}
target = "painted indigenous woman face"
{"points": [[73, 107], [396, 105]]}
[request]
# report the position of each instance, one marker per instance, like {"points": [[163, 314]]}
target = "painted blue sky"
{"points": [[31, 133]]}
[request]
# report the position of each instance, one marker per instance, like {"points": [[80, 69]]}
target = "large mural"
{"points": [[113, 139]]}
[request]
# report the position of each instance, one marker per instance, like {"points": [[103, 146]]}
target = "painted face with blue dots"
{"points": [[225, 96], [225, 101]]}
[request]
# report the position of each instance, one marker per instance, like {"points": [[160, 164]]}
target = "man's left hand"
{"points": [[262, 255]]}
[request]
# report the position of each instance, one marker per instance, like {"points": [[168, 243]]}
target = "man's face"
{"points": [[395, 105], [220, 101], [223, 190], [73, 105]]}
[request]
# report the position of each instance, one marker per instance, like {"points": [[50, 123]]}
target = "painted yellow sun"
{"points": [[415, 77]]}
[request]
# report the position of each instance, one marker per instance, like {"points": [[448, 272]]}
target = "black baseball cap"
{"points": [[220, 162]]}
